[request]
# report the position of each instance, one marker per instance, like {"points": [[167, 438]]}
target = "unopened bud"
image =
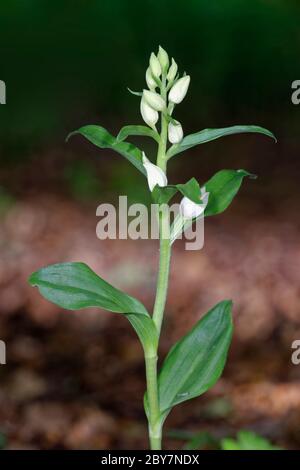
{"points": [[149, 114], [155, 175], [179, 90], [190, 210], [154, 100], [163, 59], [151, 83], [172, 71], [155, 66], [175, 132]]}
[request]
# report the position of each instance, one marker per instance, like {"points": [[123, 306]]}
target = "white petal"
{"points": [[151, 83], [175, 132], [190, 210], [179, 90], [163, 58], [155, 175], [172, 71], [155, 66], [204, 198], [149, 114], [154, 100]]}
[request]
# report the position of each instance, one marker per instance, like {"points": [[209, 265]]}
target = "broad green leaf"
{"points": [[145, 329], [206, 135], [196, 361], [104, 140], [247, 440], [145, 131], [74, 286], [222, 188]]}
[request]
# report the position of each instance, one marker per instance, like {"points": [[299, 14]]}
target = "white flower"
{"points": [[190, 210], [172, 71], [155, 66], [149, 114], [151, 83], [175, 132], [155, 175], [179, 90], [163, 58], [154, 100]]}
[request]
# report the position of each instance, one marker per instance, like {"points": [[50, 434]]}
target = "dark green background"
{"points": [[67, 63]]}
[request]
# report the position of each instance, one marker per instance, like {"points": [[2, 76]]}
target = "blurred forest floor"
{"points": [[76, 380]]}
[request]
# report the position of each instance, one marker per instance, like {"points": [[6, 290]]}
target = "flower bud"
{"points": [[155, 66], [149, 114], [163, 59], [172, 71], [190, 210], [154, 100], [179, 90], [151, 83], [175, 132], [155, 175]]}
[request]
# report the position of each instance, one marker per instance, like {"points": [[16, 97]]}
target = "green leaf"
{"points": [[201, 440], [191, 189], [229, 444], [196, 361], [206, 135], [74, 286], [104, 140], [136, 93], [145, 329], [247, 440], [194, 440], [162, 195], [222, 188], [145, 131]]}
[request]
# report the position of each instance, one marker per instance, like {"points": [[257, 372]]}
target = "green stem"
{"points": [[163, 277], [154, 418], [154, 422], [164, 223], [162, 147]]}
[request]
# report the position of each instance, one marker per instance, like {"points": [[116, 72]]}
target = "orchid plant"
{"points": [[196, 361]]}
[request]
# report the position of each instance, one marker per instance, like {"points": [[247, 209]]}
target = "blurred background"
{"points": [[76, 380]]}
